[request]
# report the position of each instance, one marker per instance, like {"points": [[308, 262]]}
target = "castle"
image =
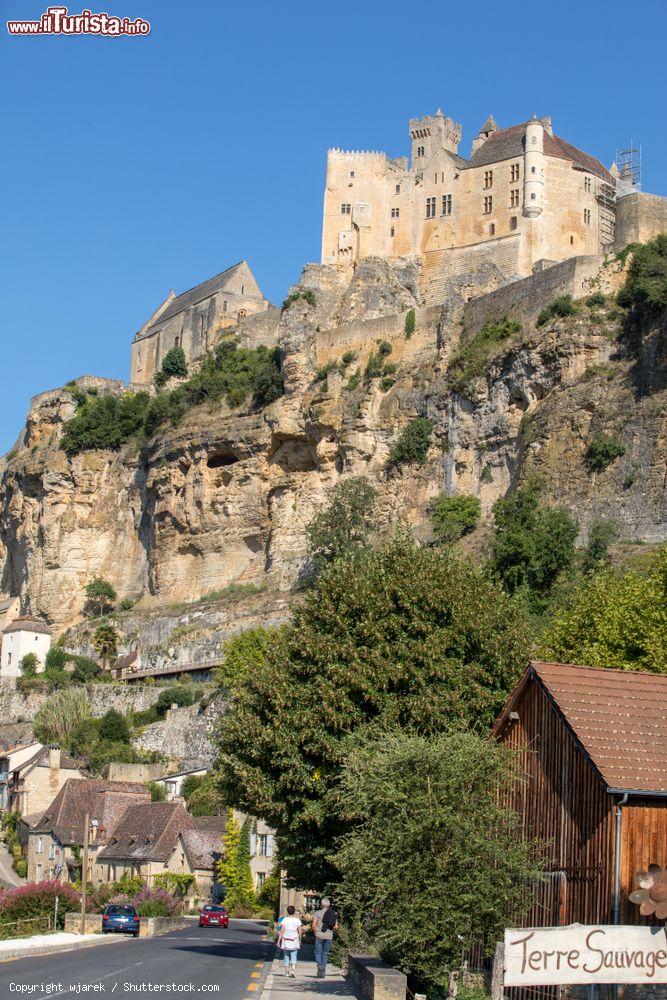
{"points": [[524, 197]]}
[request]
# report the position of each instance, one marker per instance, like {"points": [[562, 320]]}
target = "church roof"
{"points": [[507, 143], [185, 300]]}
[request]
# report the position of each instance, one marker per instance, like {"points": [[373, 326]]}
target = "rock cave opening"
{"points": [[221, 458]]}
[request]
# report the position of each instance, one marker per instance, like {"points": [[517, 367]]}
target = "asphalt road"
{"points": [[231, 964]]}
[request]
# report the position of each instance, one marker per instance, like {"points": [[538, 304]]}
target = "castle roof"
{"points": [[218, 283], [507, 143], [489, 125], [25, 624]]}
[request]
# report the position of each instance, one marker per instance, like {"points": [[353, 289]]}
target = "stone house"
{"points": [[173, 783], [33, 784], [149, 841], [11, 760], [55, 838], [203, 846], [22, 636], [262, 853], [194, 320]]}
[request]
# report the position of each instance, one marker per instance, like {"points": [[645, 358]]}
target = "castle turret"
{"points": [[431, 133], [533, 173]]}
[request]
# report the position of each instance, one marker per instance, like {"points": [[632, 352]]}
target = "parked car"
{"points": [[213, 916], [118, 918]]}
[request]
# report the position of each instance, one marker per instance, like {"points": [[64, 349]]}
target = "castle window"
{"points": [[492, 229], [176, 339], [533, 196], [514, 198], [420, 150], [514, 173], [587, 183], [533, 170], [513, 222], [446, 208], [488, 204], [587, 216], [394, 213], [488, 178], [391, 231], [345, 209], [571, 240], [398, 189], [351, 173], [430, 208], [224, 305]]}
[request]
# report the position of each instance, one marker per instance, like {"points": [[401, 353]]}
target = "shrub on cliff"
{"points": [[412, 444], [114, 727], [454, 517], [100, 597], [57, 718], [473, 358], [561, 306], [346, 522], [28, 665], [174, 364], [645, 288], [602, 450], [105, 422], [396, 636]]}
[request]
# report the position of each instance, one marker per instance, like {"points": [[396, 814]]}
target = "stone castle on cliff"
{"points": [[525, 200]]}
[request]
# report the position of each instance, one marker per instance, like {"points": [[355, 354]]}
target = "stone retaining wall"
{"points": [[375, 979]]}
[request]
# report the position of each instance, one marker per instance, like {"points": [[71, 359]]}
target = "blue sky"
{"points": [[131, 166]]}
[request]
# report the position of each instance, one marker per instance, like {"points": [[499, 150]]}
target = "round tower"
{"points": [[533, 169]]}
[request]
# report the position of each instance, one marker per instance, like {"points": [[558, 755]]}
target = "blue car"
{"points": [[118, 918]]}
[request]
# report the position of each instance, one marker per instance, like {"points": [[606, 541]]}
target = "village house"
{"points": [[203, 848], [22, 636], [173, 783], [55, 838], [148, 842], [11, 759], [591, 783], [33, 783]]}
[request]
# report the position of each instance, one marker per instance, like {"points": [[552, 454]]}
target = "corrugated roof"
{"points": [[507, 143], [618, 716]]}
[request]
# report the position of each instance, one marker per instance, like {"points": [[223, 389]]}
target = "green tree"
{"points": [[601, 535], [645, 289], [28, 665], [454, 517], [401, 635], [100, 597], [617, 619], [57, 718], [244, 652], [233, 869], [345, 524], [157, 790], [413, 443], [203, 798], [431, 863], [410, 323], [114, 727], [174, 363], [533, 543], [105, 641]]}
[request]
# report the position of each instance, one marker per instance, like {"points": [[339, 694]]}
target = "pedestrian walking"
{"points": [[325, 922], [289, 939]]}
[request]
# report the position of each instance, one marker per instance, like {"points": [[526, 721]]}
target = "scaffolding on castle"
{"points": [[629, 163]]}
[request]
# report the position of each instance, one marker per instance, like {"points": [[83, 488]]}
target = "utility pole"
{"points": [[84, 873]]}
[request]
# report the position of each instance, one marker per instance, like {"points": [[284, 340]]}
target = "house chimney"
{"points": [[54, 758]]}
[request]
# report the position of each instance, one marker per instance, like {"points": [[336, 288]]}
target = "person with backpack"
{"points": [[325, 922], [289, 939]]}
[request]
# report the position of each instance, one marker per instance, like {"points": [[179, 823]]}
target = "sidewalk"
{"points": [[305, 985], [47, 944]]}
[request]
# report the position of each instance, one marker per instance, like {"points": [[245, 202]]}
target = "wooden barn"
{"points": [[593, 749]]}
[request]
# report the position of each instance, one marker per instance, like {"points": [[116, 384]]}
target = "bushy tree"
{"points": [[412, 444], [533, 543], [402, 635], [100, 597], [174, 363], [57, 718], [601, 535], [245, 651], [28, 665], [454, 517], [114, 727], [345, 523], [105, 422], [645, 289], [618, 619], [105, 641], [233, 869], [157, 790], [202, 796], [431, 863]]}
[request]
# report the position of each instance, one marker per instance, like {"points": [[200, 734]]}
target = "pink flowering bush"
{"points": [[156, 903], [37, 899]]}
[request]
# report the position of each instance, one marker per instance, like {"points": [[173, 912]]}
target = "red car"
{"points": [[213, 916]]}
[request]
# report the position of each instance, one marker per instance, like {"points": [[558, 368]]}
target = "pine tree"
{"points": [[234, 866]]}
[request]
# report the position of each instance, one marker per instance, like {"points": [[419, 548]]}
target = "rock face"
{"points": [[225, 496]]}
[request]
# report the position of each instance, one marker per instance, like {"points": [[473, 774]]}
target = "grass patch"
{"points": [[308, 295], [473, 359]]}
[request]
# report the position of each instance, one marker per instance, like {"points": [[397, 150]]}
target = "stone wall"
{"points": [[19, 707], [639, 217], [184, 732]]}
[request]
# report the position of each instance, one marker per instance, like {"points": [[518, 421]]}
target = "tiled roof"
{"points": [[26, 624], [216, 823], [105, 801], [200, 846], [507, 143], [197, 294], [42, 759], [147, 832], [126, 661], [618, 717]]}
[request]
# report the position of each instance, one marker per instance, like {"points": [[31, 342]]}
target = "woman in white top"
{"points": [[289, 939]]}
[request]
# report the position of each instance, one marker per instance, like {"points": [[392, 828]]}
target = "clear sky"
{"points": [[132, 166]]}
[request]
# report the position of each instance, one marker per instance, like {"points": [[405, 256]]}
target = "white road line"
{"points": [[116, 972]]}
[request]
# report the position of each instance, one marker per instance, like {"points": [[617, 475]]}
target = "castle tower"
{"points": [[533, 172], [432, 133]]}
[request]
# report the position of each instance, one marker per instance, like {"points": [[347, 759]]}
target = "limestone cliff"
{"points": [[224, 497]]}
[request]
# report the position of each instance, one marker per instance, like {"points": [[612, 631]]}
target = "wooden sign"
{"points": [[585, 954]]}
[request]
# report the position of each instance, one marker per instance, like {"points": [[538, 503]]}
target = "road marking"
{"points": [[254, 975], [252, 986], [258, 965]]}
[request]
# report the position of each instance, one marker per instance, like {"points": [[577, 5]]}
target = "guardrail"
{"points": [[171, 668]]}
